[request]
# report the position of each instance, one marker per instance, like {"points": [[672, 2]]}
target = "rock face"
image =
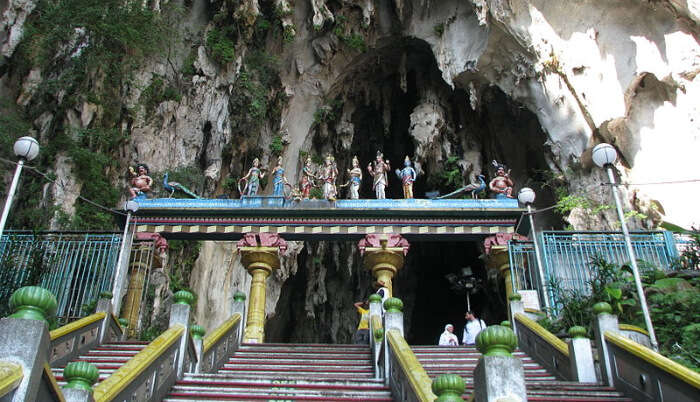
{"points": [[534, 84]]}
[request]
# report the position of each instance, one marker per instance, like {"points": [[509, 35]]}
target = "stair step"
{"points": [[300, 382], [302, 355], [281, 389], [271, 398], [296, 362], [304, 374]]}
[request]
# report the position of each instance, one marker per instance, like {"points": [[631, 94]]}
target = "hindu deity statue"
{"points": [[502, 184], [407, 176], [328, 175], [278, 179], [252, 179], [307, 179], [140, 181], [355, 179], [378, 171]]}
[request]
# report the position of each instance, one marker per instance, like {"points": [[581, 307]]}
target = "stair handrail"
{"points": [[376, 333], [10, 377], [219, 344], [655, 373], [77, 337], [403, 358], [543, 346], [158, 358]]}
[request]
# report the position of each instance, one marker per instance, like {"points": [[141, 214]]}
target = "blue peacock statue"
{"points": [[473, 188], [172, 186]]}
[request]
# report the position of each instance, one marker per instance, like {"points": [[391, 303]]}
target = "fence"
{"points": [[566, 256], [74, 266]]}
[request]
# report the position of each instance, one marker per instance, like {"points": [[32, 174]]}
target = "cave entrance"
{"points": [[316, 303], [436, 301]]}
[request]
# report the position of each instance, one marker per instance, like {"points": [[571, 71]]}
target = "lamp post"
{"points": [[122, 265], [604, 155], [26, 149], [526, 196]]}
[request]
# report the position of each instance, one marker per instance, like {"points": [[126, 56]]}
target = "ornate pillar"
{"points": [[384, 256], [259, 255], [497, 259]]}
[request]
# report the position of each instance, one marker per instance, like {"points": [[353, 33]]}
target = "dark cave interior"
{"points": [[429, 301]]}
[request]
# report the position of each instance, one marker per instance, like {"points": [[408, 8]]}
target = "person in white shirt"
{"points": [[472, 328], [448, 338]]}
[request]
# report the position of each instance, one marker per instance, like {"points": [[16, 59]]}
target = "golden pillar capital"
{"points": [[384, 256], [260, 256]]}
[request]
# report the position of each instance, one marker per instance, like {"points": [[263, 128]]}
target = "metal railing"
{"points": [[567, 257], [74, 266]]}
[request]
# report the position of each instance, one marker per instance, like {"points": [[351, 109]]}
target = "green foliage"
{"points": [[188, 68], [289, 33], [183, 255], [328, 113], [92, 154], [74, 41], [254, 91], [690, 256], [149, 334], [439, 29], [220, 44], [316, 193], [673, 303], [675, 318], [353, 40], [35, 265], [157, 92], [449, 178], [276, 146]]}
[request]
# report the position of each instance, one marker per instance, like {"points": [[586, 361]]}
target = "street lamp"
{"points": [[26, 149], [526, 196], [604, 155], [120, 273]]}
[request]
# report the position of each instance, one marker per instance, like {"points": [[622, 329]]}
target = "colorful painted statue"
{"points": [[252, 179], [307, 179], [278, 179], [140, 181], [407, 176], [502, 184], [378, 171], [355, 179], [328, 175]]}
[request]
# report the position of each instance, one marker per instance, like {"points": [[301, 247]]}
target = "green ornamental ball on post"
{"points": [[33, 303], [123, 322], [375, 298], [239, 296], [378, 334], [393, 305], [496, 340], [197, 331], [106, 295], [184, 297], [577, 331], [80, 375], [448, 388], [515, 297], [505, 324], [602, 308]]}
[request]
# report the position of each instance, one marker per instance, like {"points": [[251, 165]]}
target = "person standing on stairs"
{"points": [[362, 334], [472, 328], [448, 338]]}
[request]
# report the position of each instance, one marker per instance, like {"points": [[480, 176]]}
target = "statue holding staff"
{"points": [[329, 173], [378, 172], [252, 179]]}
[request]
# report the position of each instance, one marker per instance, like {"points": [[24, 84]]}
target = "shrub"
{"points": [[220, 46]]}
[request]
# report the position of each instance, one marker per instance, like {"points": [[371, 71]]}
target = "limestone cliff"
{"points": [[532, 83]]}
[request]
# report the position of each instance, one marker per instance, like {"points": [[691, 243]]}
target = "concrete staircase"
{"points": [[299, 372], [107, 357], [540, 384]]}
